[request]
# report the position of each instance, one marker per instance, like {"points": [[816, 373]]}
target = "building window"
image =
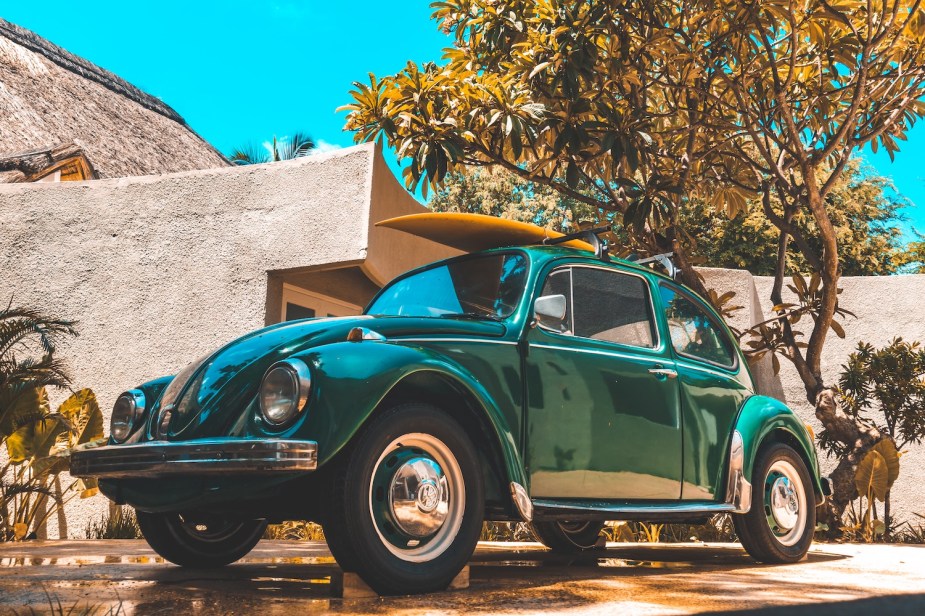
{"points": [[300, 303]]}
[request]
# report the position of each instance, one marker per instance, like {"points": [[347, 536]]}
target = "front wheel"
{"points": [[199, 540], [568, 537], [780, 524], [410, 499]]}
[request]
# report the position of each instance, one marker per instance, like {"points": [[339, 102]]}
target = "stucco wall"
{"points": [[158, 270], [885, 307]]}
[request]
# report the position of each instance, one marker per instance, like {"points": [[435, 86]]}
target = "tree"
{"points": [[884, 387], [285, 148], [496, 192], [865, 212], [637, 107], [866, 216]]}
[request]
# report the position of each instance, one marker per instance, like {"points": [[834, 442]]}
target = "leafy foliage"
{"points": [[38, 442], [885, 386], [284, 148], [120, 523], [865, 212]]}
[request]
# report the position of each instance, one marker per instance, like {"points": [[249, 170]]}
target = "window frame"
{"points": [[653, 315], [718, 324]]}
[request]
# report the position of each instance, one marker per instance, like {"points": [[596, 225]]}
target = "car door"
{"points": [[713, 381], [603, 418]]}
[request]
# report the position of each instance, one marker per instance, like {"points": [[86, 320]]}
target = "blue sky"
{"points": [[242, 71]]}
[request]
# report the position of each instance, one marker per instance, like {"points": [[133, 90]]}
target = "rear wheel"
{"points": [[568, 537], [407, 503], [780, 524], [199, 540]]}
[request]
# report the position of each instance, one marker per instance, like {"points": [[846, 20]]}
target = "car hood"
{"points": [[227, 381]]}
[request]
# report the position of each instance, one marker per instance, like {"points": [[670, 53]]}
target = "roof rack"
{"points": [[664, 260], [588, 235]]}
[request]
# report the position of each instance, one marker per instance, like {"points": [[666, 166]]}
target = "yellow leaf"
{"points": [[872, 476], [887, 449], [19, 531]]}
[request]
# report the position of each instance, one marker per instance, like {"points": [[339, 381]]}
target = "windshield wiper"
{"points": [[471, 316]]}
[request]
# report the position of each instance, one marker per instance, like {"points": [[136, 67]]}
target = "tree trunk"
{"points": [[858, 438]]}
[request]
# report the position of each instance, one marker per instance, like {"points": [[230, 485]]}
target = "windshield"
{"points": [[487, 286]]}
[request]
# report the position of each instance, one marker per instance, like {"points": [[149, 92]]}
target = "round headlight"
{"points": [[126, 413], [284, 391]]}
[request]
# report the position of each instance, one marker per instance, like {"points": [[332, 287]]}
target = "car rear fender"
{"points": [[764, 420]]}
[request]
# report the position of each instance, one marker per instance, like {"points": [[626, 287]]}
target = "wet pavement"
{"points": [[282, 577]]}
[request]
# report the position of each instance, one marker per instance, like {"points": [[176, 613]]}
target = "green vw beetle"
{"points": [[540, 383]]}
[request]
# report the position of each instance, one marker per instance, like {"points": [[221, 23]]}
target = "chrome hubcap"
{"points": [[419, 498], [784, 505]]}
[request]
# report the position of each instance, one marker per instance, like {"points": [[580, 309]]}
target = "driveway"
{"points": [[279, 577]]}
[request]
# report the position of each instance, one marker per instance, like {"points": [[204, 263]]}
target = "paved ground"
{"points": [[279, 577]]}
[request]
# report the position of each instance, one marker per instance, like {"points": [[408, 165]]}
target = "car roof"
{"points": [[550, 253]]}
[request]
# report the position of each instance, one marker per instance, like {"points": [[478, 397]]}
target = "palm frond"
{"points": [[249, 154], [17, 325], [298, 145], [285, 148]]}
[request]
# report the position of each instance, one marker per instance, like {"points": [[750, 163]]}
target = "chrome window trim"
{"points": [[653, 318], [736, 365], [605, 353]]}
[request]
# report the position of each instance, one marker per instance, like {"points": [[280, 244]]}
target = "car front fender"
{"points": [[352, 379]]}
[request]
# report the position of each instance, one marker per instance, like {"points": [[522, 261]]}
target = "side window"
{"points": [[612, 306], [559, 283], [693, 332]]}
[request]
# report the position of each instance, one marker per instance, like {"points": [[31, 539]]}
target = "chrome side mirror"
{"points": [[550, 310]]}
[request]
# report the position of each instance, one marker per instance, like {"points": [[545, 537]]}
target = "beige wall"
{"points": [[159, 270], [886, 307]]}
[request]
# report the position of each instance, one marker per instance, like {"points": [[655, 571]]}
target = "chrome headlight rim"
{"points": [[301, 376], [130, 418]]}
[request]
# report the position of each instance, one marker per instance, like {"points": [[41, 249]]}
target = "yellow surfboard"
{"points": [[475, 232]]}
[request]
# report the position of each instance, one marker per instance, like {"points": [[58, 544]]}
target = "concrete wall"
{"points": [[886, 307], [159, 270]]}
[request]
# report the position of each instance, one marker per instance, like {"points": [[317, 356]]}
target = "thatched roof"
{"points": [[49, 96]]}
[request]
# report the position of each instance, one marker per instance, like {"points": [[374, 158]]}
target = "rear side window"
{"points": [[612, 306], [603, 305], [694, 332]]}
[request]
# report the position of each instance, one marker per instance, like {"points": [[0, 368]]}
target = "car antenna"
{"points": [[589, 235], [664, 260]]}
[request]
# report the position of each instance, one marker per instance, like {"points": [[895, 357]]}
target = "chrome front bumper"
{"points": [[231, 456]]}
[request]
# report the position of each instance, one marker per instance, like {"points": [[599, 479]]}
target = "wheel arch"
{"points": [[763, 421], [382, 375], [487, 430]]}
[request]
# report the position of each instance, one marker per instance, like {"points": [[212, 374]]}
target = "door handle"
{"points": [[663, 372]]}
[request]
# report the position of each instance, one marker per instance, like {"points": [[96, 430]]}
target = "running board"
{"points": [[671, 511]]}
